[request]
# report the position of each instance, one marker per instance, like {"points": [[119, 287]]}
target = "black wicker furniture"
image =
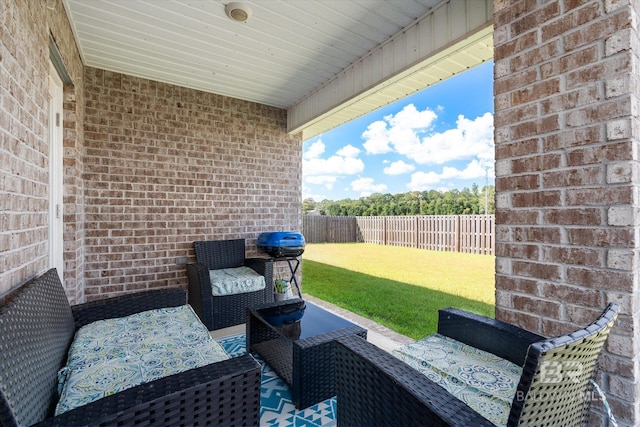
{"points": [[375, 388], [37, 326], [298, 345], [221, 311]]}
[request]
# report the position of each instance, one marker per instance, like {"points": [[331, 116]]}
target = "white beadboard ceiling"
{"points": [[301, 55]]}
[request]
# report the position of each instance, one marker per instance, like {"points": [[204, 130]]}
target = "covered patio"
{"points": [[132, 129]]}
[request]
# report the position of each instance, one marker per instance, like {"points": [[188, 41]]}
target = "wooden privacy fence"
{"points": [[455, 233]]}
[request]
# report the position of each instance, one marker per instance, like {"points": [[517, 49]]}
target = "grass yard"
{"points": [[401, 288]]}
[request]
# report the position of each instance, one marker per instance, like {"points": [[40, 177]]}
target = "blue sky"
{"points": [[438, 139]]}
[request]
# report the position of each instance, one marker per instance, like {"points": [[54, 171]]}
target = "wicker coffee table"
{"points": [[298, 345]]}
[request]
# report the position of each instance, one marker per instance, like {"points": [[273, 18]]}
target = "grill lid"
{"points": [[281, 243]]}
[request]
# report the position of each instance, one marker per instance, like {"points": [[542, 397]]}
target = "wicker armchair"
{"points": [[218, 312], [375, 388], [37, 326]]}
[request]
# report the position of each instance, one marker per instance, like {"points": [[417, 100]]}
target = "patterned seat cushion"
{"points": [[112, 355], [483, 381], [229, 281]]}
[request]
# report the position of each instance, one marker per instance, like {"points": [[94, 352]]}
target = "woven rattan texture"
{"points": [[224, 393], [376, 389], [36, 328], [306, 365], [218, 312], [217, 254], [554, 389]]}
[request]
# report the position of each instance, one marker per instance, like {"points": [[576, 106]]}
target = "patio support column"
{"points": [[566, 134]]}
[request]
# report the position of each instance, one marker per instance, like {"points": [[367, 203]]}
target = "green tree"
{"points": [[453, 202], [308, 205]]}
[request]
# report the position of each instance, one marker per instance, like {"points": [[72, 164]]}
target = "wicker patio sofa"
{"points": [[221, 311], [376, 388], [37, 326]]}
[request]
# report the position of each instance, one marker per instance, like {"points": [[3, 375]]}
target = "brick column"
{"points": [[566, 134]]}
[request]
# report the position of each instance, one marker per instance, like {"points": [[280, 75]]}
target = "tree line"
{"points": [[433, 202]]}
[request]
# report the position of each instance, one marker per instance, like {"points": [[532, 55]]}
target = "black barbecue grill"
{"points": [[284, 246], [280, 244]]}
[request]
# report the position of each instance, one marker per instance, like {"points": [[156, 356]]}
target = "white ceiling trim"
{"points": [[455, 36]]}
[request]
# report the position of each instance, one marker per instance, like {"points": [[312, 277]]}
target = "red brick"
{"points": [[536, 270], [569, 62], [517, 149], [569, 21], [522, 216], [519, 285], [522, 182], [517, 44], [535, 91], [517, 251], [594, 72], [533, 20], [536, 199], [536, 163], [600, 154], [601, 237], [539, 306], [546, 234], [514, 81], [568, 216], [597, 29], [596, 279], [605, 196], [512, 11], [572, 138], [576, 177], [574, 256], [521, 319]]}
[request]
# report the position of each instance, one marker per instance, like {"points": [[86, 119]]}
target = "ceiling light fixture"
{"points": [[238, 11]]}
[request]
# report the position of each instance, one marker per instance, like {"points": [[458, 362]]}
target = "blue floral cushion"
{"points": [[483, 381], [229, 281], [112, 355]]}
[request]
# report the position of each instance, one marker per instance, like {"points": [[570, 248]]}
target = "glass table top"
{"points": [[300, 324]]}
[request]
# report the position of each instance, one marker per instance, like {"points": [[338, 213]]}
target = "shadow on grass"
{"points": [[407, 309]]}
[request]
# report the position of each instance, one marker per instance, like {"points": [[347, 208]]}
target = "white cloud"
{"points": [[366, 186], [348, 151], [315, 150], [325, 180], [344, 162], [470, 138], [326, 171], [421, 181], [408, 133], [398, 168], [401, 129], [334, 165]]}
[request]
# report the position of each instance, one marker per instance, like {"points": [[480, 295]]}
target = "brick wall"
{"points": [[566, 134], [25, 28], [163, 166], [166, 166]]}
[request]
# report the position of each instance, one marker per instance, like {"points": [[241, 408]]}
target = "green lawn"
{"points": [[401, 288]]}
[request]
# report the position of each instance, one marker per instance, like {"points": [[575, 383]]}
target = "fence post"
{"points": [[457, 233], [384, 230], [326, 229]]}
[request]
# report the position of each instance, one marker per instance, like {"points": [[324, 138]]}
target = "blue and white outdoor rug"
{"points": [[276, 407]]}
